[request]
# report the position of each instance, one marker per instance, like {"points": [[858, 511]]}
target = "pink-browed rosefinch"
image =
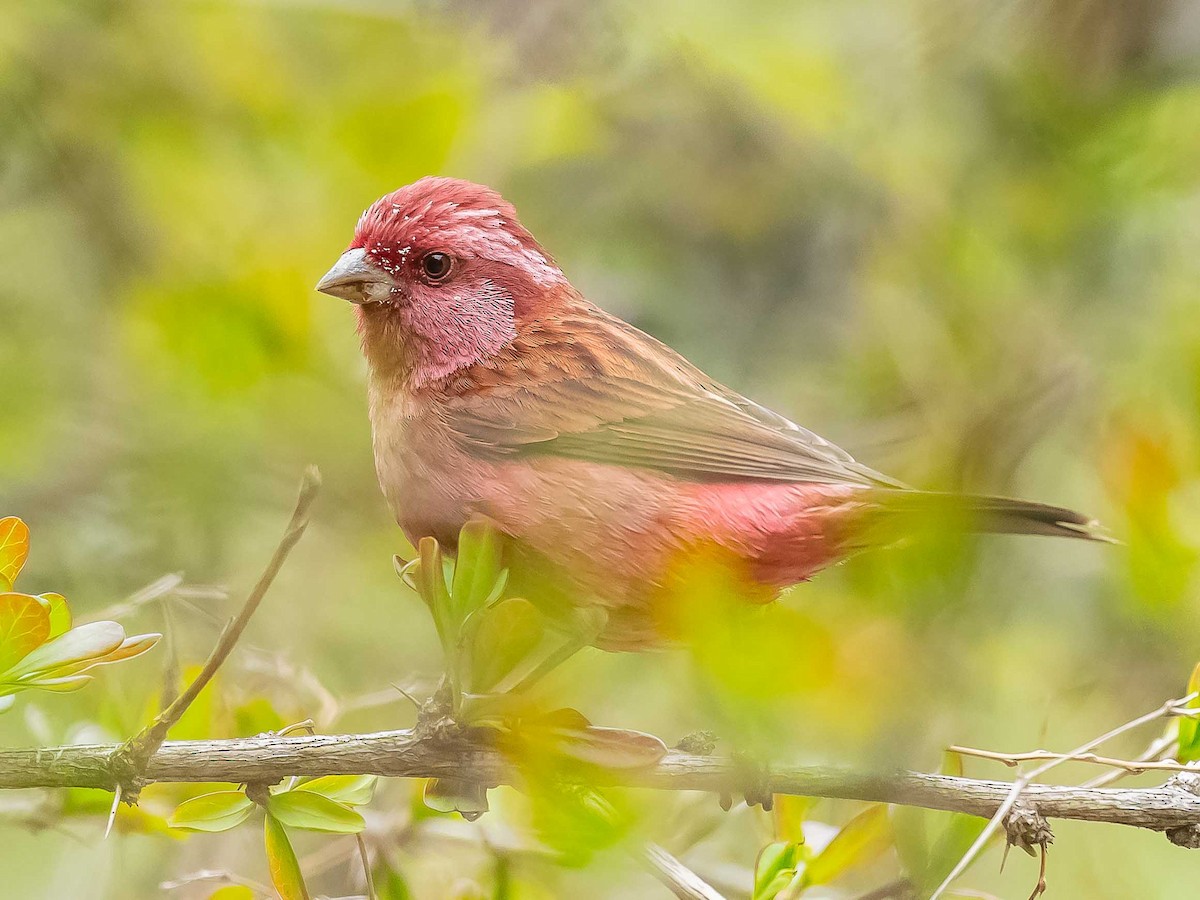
{"points": [[496, 389]]}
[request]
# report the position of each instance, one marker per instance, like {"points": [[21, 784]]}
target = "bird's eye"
{"points": [[436, 266]]}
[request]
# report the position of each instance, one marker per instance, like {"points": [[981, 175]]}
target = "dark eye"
{"points": [[436, 266]]}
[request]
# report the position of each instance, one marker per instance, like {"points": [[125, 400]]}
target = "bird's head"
{"points": [[443, 270]]}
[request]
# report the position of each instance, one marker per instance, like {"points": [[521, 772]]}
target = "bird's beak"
{"points": [[357, 279]]}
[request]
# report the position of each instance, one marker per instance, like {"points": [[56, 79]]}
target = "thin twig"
{"points": [[1160, 748], [679, 879], [1040, 887], [1131, 766], [366, 864], [1170, 708], [140, 748]]}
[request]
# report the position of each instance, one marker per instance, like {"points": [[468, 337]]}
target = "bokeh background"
{"points": [[959, 237]]}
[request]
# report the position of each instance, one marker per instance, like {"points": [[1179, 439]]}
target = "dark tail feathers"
{"points": [[991, 515]]}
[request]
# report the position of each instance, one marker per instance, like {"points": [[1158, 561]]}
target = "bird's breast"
{"points": [[432, 486]]}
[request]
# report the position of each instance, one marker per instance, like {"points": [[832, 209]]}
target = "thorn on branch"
{"points": [[1027, 828]]}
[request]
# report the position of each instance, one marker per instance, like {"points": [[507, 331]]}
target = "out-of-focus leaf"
{"points": [[200, 720], [24, 626], [861, 839], [477, 571], [951, 845], [910, 834], [282, 863], [303, 809], [390, 884], [60, 613], [611, 748], [353, 790], [94, 805], [1189, 729], [576, 820], [218, 811], [14, 549], [505, 635], [257, 716], [232, 892], [789, 814], [774, 869], [77, 645], [6, 702]]}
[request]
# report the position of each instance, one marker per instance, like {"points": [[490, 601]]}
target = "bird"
{"points": [[497, 390]]}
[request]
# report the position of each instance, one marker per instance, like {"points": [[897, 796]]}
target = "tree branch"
{"points": [[409, 754], [138, 750]]}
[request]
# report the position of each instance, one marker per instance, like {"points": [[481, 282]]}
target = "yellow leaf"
{"points": [[24, 626], [281, 860], [14, 548], [861, 839]]}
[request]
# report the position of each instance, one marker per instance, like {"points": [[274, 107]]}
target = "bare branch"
{"points": [[140, 748], [409, 754], [1170, 708]]}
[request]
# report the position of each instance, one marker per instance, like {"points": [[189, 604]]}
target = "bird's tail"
{"points": [[991, 515]]}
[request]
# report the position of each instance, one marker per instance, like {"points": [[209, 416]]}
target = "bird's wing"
{"points": [[663, 415]]}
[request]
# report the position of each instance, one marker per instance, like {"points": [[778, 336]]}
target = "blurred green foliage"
{"points": [[956, 236]]}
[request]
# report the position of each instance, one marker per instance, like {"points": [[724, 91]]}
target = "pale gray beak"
{"points": [[357, 279]]}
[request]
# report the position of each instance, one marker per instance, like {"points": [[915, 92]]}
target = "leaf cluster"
{"points": [[40, 648]]}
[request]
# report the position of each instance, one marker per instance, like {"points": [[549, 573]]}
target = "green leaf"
{"points": [[477, 572], [430, 580], [1189, 729], [774, 869], [281, 861], [218, 811], [390, 884], [24, 626], [257, 716], [14, 549], [861, 839], [300, 808], [232, 892], [353, 790], [789, 815], [952, 844], [447, 795], [79, 644], [60, 613], [910, 831], [506, 634]]}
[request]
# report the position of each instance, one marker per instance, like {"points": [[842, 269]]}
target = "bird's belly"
{"points": [[616, 537]]}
